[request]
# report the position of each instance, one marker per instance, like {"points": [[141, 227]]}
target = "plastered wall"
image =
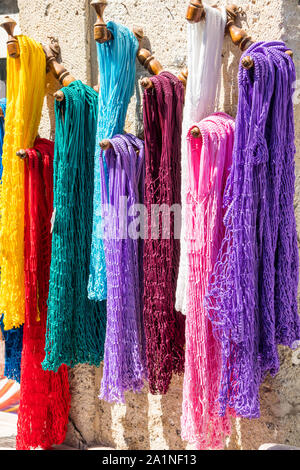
{"points": [[145, 421]]}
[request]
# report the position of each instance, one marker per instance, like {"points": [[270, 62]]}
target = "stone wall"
{"points": [[146, 421], [10, 6]]}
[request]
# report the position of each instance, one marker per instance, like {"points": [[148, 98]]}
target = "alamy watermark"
{"points": [[137, 221]]}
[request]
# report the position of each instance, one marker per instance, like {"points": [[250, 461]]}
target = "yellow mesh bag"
{"points": [[26, 80]]}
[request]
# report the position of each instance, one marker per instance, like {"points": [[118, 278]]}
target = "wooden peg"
{"points": [[247, 61], [105, 144], [59, 95], [58, 70], [12, 43], [146, 83], [195, 11], [149, 62], [1, 113], [21, 154], [139, 34], [183, 74], [145, 57], [238, 36], [101, 33], [195, 131], [96, 88]]}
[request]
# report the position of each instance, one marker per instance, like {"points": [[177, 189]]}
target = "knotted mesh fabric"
{"points": [[116, 59], [164, 327], [209, 161], [12, 338], [26, 78], [44, 396], [204, 58], [75, 324], [252, 296], [3, 107], [124, 357]]}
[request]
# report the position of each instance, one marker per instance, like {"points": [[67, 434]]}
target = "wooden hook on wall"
{"points": [[195, 11], [248, 63], [59, 71], [101, 33], [147, 83], [23, 154], [195, 131], [105, 144], [183, 74], [151, 64], [59, 95], [145, 57], [238, 36], [51, 52], [8, 24]]}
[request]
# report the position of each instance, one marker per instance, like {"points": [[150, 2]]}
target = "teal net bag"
{"points": [[75, 325]]}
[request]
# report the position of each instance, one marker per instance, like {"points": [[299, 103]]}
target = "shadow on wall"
{"points": [[123, 426], [144, 422], [9, 6], [229, 77]]}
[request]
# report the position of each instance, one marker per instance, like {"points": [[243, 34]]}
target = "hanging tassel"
{"points": [[13, 342]]}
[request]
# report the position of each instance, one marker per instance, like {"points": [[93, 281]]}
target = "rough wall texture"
{"points": [[145, 421], [10, 6]]}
